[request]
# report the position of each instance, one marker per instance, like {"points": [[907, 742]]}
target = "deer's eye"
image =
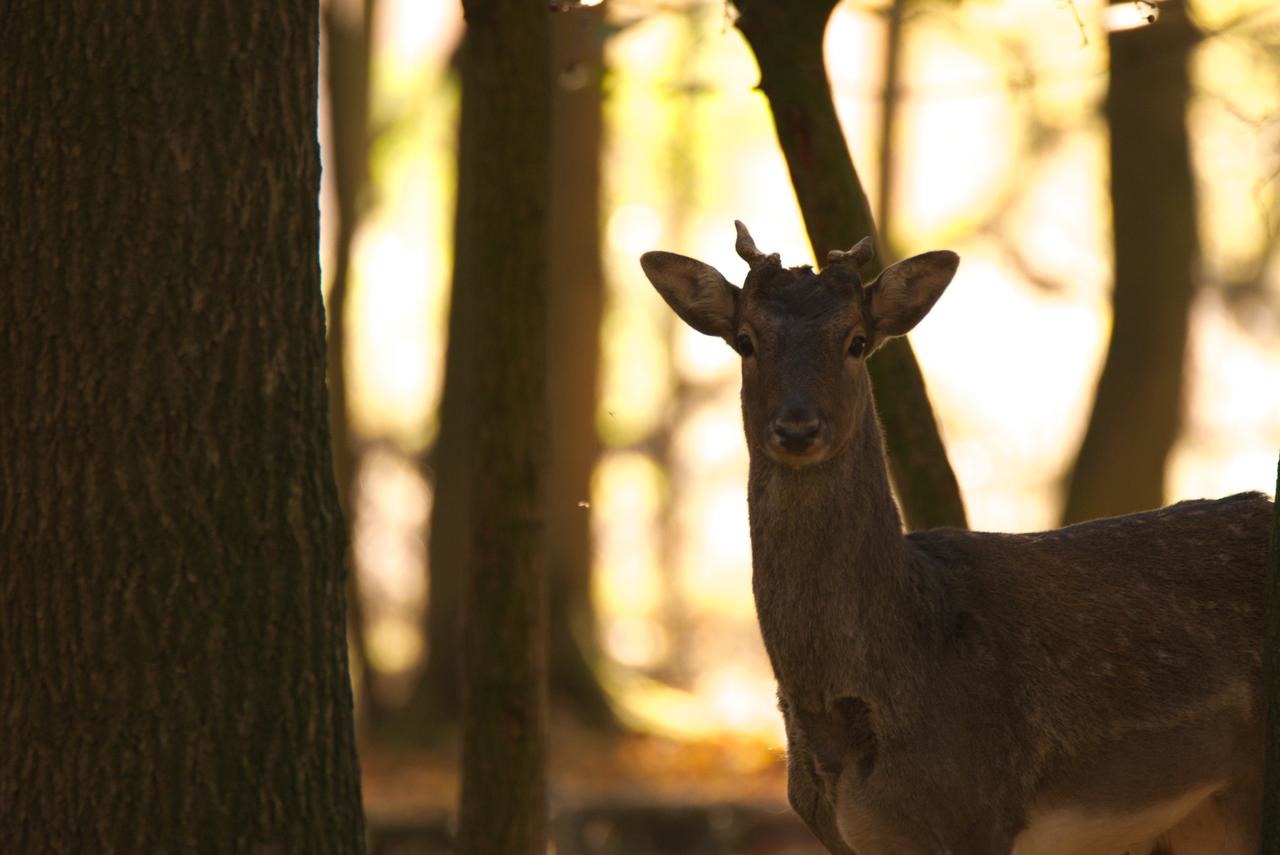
{"points": [[857, 346], [745, 347]]}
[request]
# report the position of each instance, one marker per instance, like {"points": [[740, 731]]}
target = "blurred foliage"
{"points": [[1000, 154]]}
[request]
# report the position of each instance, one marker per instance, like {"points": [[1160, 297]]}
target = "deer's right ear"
{"points": [[697, 292], [905, 292]]}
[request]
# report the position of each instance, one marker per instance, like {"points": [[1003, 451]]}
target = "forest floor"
{"points": [[634, 794]]}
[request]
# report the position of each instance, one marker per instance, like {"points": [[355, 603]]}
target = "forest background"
{"points": [[1110, 177], [997, 147]]}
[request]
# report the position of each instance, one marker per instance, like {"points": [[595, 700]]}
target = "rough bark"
{"points": [[174, 669], [575, 312], [1271, 688], [787, 41], [1138, 406], [348, 30], [502, 250]]}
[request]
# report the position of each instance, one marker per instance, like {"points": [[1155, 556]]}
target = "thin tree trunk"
{"points": [[1138, 407], [435, 699], [575, 312], [172, 636], [890, 101], [787, 41], [682, 146], [348, 26], [434, 702], [502, 259], [1271, 688]]}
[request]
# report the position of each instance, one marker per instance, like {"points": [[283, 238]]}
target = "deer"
{"points": [[1090, 690]]}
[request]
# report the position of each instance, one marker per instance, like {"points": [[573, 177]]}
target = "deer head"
{"points": [[804, 337]]}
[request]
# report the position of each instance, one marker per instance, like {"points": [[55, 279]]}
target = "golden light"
{"points": [[1129, 16], [1001, 156]]}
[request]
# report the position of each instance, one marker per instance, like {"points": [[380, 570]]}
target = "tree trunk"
{"points": [[575, 311], [347, 25], [787, 41], [1138, 408], [682, 145], [502, 260], [890, 102], [171, 606], [434, 701]]}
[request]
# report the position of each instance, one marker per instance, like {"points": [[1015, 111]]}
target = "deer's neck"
{"points": [[829, 569]]}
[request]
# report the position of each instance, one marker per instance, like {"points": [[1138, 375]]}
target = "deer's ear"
{"points": [[905, 292], [702, 298]]}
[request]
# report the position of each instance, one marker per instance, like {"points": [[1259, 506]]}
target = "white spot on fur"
{"points": [[1080, 831]]}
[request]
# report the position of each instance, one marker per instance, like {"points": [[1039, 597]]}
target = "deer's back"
{"points": [[1146, 608], [1107, 668], [1101, 635]]}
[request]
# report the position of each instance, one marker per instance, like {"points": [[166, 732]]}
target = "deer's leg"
{"points": [[808, 797], [817, 797], [806, 790]]}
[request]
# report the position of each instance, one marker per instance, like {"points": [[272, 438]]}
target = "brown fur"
{"points": [[946, 690]]}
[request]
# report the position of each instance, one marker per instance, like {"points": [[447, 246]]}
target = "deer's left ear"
{"points": [[905, 292]]}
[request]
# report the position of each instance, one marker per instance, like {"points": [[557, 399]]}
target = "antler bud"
{"points": [[858, 255], [746, 248]]}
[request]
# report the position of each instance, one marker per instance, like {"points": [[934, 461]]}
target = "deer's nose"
{"points": [[797, 430]]}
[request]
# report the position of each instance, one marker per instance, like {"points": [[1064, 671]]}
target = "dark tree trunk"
{"points": [[575, 295], [787, 41], [575, 311], [348, 31], [502, 260], [1138, 407], [171, 606]]}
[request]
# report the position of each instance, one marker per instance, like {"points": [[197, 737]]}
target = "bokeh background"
{"points": [[997, 147]]}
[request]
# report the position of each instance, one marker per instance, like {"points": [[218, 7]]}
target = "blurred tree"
{"points": [[575, 295], [1138, 407], [434, 700], [890, 101], [575, 312], [171, 607], [501, 264], [786, 38], [684, 142], [348, 27]]}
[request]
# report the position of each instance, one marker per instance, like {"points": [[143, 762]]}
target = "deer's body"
{"points": [[1093, 690], [955, 691]]}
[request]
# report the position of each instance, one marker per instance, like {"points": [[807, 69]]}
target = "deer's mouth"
{"points": [[797, 461]]}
